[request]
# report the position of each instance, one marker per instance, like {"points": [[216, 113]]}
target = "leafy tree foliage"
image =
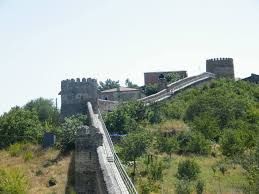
{"points": [[134, 145], [19, 125], [172, 77], [193, 142], [167, 145], [151, 89], [129, 84], [188, 170], [45, 109], [69, 129], [124, 119], [108, 84]]}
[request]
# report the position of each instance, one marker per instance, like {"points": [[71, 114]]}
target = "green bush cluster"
{"points": [[28, 123], [13, 181], [25, 150]]}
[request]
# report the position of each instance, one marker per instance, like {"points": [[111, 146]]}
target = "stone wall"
{"points": [[107, 105], [122, 96], [221, 67], [153, 77], [88, 174], [75, 94]]}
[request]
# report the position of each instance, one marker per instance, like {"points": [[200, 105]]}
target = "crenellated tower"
{"points": [[75, 94], [222, 67]]}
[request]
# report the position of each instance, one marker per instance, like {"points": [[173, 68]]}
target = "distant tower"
{"points": [[75, 94], [222, 67]]}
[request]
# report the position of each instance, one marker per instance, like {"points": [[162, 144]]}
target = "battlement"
{"points": [[71, 83], [220, 60], [221, 67]]}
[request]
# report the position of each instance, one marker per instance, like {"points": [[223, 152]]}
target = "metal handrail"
{"points": [[127, 181], [176, 86]]}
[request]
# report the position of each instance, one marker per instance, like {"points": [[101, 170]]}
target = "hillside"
{"points": [[203, 140], [26, 168]]}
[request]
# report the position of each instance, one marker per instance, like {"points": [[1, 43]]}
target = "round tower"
{"points": [[221, 67]]}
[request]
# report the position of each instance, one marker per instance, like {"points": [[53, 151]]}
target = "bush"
{"points": [[183, 187], [200, 187], [28, 155], [69, 129], [155, 170], [19, 125], [13, 181], [188, 170], [231, 143], [15, 149], [19, 149], [193, 142]]}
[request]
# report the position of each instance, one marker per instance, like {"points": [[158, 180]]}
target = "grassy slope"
{"points": [[218, 183], [229, 183], [39, 184]]}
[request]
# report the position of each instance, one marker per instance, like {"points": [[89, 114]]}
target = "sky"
{"points": [[44, 42]]}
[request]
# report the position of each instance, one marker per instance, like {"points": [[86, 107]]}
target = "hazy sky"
{"points": [[44, 42]]}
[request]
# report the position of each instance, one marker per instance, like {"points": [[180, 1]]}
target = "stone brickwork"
{"points": [[121, 94], [88, 174], [153, 77], [221, 67], [107, 105], [75, 94]]}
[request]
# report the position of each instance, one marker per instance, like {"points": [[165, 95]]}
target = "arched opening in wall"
{"points": [[105, 98]]}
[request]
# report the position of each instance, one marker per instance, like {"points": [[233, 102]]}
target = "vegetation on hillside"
{"points": [[219, 120]]}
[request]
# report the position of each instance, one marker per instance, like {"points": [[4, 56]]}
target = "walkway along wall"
{"points": [[97, 167]]}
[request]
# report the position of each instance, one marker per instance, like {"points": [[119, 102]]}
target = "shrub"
{"points": [[69, 129], [200, 187], [28, 155], [15, 149], [188, 170], [13, 181], [193, 142], [232, 143], [18, 149], [155, 170], [183, 187]]}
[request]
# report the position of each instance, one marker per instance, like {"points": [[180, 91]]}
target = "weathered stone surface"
{"points": [[221, 67], [76, 94]]}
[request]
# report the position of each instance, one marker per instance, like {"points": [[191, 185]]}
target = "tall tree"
{"points": [[133, 146], [129, 84], [45, 109], [108, 84]]}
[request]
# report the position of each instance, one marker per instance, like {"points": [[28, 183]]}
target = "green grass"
{"points": [[13, 181], [231, 182]]}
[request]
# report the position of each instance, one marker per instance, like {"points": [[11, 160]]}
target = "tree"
{"points": [[69, 129], [151, 89], [19, 125], [167, 145], [188, 170], [172, 77], [133, 146], [45, 108], [231, 143], [108, 84], [129, 84]]}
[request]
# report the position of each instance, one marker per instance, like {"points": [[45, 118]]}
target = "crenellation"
{"points": [[222, 67], [75, 93]]}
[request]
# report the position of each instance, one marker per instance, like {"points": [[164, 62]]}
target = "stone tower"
{"points": [[221, 67], [75, 94]]}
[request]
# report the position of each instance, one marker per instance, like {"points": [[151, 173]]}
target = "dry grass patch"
{"points": [[37, 172], [170, 126]]}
